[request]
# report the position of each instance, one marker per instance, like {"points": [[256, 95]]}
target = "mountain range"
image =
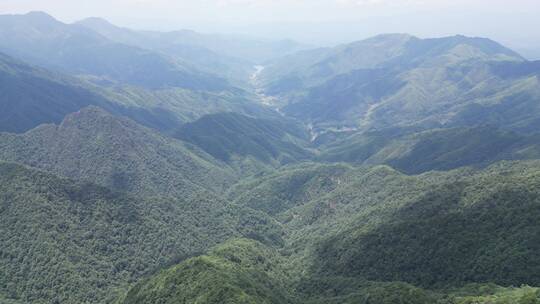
{"points": [[403, 81], [178, 167]]}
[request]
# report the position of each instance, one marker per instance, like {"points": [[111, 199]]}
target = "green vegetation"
{"points": [[167, 108], [391, 81], [160, 172], [278, 192], [32, 96], [69, 242], [243, 271], [477, 229], [435, 230], [233, 138], [95, 146], [523, 295], [437, 149], [240, 271]]}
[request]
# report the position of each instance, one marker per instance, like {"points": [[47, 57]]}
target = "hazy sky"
{"points": [[513, 22]]}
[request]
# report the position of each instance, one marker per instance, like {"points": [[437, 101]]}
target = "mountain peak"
{"points": [[40, 16], [384, 41], [486, 45], [393, 36], [87, 114], [95, 22], [390, 38]]}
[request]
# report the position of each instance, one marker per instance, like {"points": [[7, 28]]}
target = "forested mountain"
{"points": [[400, 80], [436, 149], [476, 229], [241, 271], [155, 88], [248, 143], [70, 242], [32, 96], [240, 265], [350, 229], [178, 167], [95, 146]]}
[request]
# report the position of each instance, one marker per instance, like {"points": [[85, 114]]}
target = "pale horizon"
{"points": [[318, 22]]}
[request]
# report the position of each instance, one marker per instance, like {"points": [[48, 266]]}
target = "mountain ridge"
{"points": [[118, 153]]}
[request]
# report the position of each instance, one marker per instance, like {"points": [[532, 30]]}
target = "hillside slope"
{"points": [[435, 230], [246, 141], [70, 242], [32, 96], [239, 271], [436, 149], [403, 81], [42, 40], [95, 146]]}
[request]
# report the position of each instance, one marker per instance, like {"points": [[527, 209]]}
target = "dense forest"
{"points": [[141, 167]]}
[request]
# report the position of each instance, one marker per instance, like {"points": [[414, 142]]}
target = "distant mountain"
{"points": [[387, 50], [230, 66], [32, 96], [42, 40], [151, 167], [239, 139], [232, 47], [92, 145], [403, 81], [228, 56], [70, 242]]}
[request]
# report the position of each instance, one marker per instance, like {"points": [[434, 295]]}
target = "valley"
{"points": [[142, 167], [268, 101]]}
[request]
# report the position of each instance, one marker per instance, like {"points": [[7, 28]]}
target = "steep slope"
{"points": [[437, 230], [400, 80], [239, 271], [240, 140], [32, 96], [280, 191], [40, 39], [70, 242], [95, 146], [176, 106], [243, 271], [314, 67], [211, 61], [481, 228], [437, 149]]}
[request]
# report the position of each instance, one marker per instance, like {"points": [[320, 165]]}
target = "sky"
{"points": [[515, 23]]}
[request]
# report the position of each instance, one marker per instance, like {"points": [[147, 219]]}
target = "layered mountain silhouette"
{"points": [[401, 80], [180, 167]]}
